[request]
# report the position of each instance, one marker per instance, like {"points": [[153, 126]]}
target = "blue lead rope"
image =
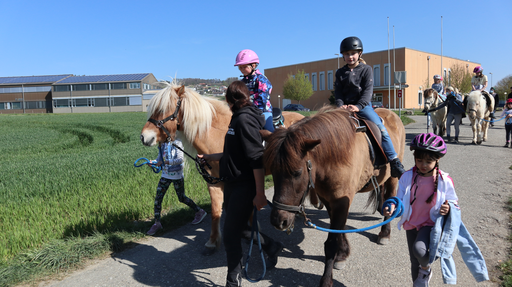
{"points": [[254, 230], [154, 167], [392, 200]]}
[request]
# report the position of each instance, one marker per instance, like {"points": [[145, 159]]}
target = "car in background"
{"points": [[296, 107], [377, 105]]}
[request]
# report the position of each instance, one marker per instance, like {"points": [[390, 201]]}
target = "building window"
{"points": [[322, 81], [118, 86], [376, 75], [101, 102], [99, 86], [80, 102], [306, 76], [81, 87], [330, 80], [377, 97], [313, 81], [120, 101], [61, 103], [134, 85], [386, 74], [62, 88], [35, 105]]}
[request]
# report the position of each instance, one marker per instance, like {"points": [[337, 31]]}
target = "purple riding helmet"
{"points": [[478, 69], [429, 142], [246, 57]]}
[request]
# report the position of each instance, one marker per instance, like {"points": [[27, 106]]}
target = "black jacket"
{"points": [[354, 87], [243, 149]]}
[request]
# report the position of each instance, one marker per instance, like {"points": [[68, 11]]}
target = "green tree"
{"points": [[297, 88], [503, 86], [459, 78]]}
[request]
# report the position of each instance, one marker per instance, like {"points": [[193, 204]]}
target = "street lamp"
{"points": [[491, 79], [428, 70], [338, 60], [279, 99]]}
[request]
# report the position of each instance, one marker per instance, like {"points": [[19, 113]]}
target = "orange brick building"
{"points": [[420, 68]]}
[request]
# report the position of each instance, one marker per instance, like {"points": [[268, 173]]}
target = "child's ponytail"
{"points": [[362, 61], [436, 181]]}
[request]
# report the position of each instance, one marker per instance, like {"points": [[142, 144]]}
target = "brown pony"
{"points": [[326, 153], [201, 123]]}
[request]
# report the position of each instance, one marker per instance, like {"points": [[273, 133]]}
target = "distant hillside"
{"points": [[196, 81]]}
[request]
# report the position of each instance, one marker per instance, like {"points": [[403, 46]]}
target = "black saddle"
{"points": [[277, 118]]}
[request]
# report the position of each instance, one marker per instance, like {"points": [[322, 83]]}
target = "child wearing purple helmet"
{"points": [[425, 191]]}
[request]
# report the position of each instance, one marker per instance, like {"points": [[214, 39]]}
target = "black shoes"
{"points": [[397, 168]]}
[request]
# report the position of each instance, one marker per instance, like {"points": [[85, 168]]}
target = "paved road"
{"points": [[482, 180]]}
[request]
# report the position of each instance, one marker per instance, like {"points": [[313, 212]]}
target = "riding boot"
{"points": [[397, 169], [448, 139], [456, 140]]}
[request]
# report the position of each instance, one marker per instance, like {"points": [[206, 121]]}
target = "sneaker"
{"points": [[200, 215], [157, 226], [423, 278], [397, 169], [273, 253], [506, 145]]}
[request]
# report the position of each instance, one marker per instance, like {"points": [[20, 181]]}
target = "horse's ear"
{"points": [[265, 134], [310, 144], [181, 91]]}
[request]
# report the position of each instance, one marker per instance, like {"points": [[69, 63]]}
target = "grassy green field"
{"points": [[65, 175]]}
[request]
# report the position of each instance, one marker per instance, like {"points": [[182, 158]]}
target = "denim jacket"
{"points": [[448, 231]]}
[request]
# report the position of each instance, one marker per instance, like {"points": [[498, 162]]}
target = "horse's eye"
{"points": [[297, 173]]}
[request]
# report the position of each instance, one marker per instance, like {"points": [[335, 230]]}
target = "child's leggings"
{"points": [[508, 129], [179, 186], [418, 242]]}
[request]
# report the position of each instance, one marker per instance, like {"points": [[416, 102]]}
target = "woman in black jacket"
{"points": [[241, 166]]}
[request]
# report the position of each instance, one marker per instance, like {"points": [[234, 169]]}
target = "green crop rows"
{"points": [[65, 175]]}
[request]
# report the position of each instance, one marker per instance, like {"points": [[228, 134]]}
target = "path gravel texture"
{"points": [[482, 181]]}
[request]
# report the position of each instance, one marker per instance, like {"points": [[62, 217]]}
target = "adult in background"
{"points": [[496, 103], [438, 86], [455, 112]]}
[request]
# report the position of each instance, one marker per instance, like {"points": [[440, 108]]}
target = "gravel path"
{"points": [[482, 178]]}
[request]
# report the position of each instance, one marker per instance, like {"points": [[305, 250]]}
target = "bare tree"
{"points": [[459, 78]]}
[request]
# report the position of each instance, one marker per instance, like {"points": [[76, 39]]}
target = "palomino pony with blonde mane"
{"points": [[479, 107], [433, 99], [326, 153], [202, 123]]}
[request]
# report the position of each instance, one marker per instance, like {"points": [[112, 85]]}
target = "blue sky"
{"points": [[200, 39]]}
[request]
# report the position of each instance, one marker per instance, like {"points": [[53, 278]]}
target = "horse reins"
{"points": [[301, 208], [160, 123]]}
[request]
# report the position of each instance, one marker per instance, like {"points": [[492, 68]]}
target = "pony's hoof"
{"points": [[207, 251], [479, 142], [383, 240], [340, 265], [473, 142]]}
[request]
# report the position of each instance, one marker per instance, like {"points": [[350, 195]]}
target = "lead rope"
{"points": [[254, 230]]}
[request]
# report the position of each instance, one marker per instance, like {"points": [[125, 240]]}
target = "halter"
{"points": [[160, 123], [301, 208]]}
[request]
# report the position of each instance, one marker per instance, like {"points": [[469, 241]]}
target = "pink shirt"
{"points": [[420, 216]]}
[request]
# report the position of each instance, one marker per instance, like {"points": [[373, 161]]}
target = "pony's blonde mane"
{"points": [[197, 111]]}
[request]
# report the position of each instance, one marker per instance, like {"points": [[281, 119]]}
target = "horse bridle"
{"points": [[160, 123], [301, 208]]}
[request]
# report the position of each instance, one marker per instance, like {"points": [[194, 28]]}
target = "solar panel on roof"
{"points": [[104, 78], [32, 79]]}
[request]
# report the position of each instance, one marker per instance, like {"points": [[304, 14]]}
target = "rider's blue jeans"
{"points": [[370, 114], [269, 125]]}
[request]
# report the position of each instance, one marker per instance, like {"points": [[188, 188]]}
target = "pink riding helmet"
{"points": [[246, 57], [478, 69], [429, 142]]}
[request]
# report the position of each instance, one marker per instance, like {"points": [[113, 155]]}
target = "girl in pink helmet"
{"points": [[259, 86], [479, 80]]}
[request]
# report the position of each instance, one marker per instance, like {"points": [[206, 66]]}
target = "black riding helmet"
{"points": [[351, 43]]}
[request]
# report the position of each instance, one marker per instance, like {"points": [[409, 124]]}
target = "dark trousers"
{"points": [[418, 242], [238, 208], [508, 130]]}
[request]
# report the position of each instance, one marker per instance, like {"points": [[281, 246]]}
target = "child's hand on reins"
{"points": [[388, 212]]}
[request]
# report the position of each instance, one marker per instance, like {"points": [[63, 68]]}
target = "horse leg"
{"points": [[217, 197], [336, 246], [485, 127], [475, 133], [389, 190], [478, 133]]}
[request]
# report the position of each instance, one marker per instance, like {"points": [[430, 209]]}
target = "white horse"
{"points": [[432, 100], [479, 107]]}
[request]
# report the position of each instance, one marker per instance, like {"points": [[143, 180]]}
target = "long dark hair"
{"points": [[238, 95]]}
